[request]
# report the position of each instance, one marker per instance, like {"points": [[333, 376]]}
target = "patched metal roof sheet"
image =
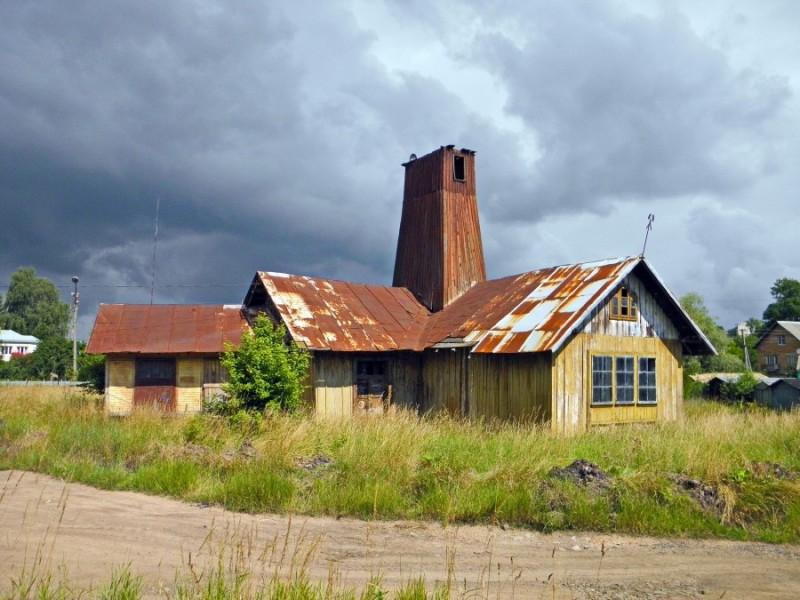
{"points": [[327, 314], [535, 311], [166, 328]]}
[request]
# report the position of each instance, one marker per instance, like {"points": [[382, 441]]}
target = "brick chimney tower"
{"points": [[439, 249]]}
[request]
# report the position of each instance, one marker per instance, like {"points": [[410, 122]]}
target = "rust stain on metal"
{"points": [[166, 328], [336, 315], [529, 312]]}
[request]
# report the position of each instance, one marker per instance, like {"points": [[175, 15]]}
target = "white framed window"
{"points": [[647, 380], [772, 361], [781, 340]]}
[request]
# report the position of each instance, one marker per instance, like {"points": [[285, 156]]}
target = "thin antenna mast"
{"points": [[650, 218], [155, 247]]}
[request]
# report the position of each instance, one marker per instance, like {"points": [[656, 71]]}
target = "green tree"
{"points": [[728, 356], [265, 371], [32, 306], [92, 370], [786, 307], [53, 357]]}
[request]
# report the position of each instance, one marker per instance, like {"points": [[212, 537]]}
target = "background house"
{"points": [[163, 355], [778, 348], [592, 343], [13, 343]]}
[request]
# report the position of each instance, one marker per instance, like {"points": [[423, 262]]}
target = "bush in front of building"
{"points": [[265, 372]]}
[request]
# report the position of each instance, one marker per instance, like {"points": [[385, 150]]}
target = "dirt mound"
{"points": [[705, 494], [582, 472]]}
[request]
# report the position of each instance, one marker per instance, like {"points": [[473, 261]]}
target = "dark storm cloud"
{"points": [[272, 140], [626, 105], [273, 135]]}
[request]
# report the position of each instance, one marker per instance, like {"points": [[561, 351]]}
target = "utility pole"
{"points": [[76, 299], [744, 331]]}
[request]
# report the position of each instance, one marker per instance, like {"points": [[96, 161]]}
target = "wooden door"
{"points": [[372, 388], [155, 383]]}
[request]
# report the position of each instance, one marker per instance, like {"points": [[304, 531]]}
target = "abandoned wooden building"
{"points": [[576, 345], [163, 355]]}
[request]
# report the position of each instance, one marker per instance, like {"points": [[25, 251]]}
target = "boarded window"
{"points": [[213, 371], [624, 380], [624, 306], [647, 380], [601, 379], [459, 168], [155, 372]]}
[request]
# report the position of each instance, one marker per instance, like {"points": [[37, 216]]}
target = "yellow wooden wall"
{"points": [[189, 385], [333, 376], [119, 386], [571, 409], [333, 384], [513, 386], [443, 381]]}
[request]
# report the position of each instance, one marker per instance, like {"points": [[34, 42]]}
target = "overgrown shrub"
{"points": [[266, 371]]}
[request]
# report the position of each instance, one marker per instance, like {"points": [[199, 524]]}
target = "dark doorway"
{"points": [[155, 383], [372, 389]]}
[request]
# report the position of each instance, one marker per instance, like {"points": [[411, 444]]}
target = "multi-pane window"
{"points": [[772, 361], [623, 305], [781, 340], [624, 380], [647, 380], [601, 380]]}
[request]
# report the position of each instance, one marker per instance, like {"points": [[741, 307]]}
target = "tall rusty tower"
{"points": [[439, 249]]}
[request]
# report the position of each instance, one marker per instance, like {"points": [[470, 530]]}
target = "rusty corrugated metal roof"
{"points": [[556, 300], [530, 312], [166, 328], [327, 314]]}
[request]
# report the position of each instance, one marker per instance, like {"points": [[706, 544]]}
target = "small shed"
{"points": [[164, 355], [778, 393]]}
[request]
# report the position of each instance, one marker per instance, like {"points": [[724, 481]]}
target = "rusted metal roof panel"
{"points": [[557, 300], [166, 328], [531, 312], [327, 314]]}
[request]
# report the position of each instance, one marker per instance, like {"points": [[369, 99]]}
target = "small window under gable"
{"points": [[624, 306], [459, 168]]}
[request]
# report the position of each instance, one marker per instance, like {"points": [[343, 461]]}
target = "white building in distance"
{"points": [[13, 343]]}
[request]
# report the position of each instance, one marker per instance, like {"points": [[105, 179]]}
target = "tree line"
{"points": [[32, 306]]}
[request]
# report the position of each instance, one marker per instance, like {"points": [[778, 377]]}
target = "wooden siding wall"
{"points": [[333, 374], [189, 385], [652, 320], [443, 381], [572, 380], [512, 386], [333, 384], [120, 377], [119, 386]]}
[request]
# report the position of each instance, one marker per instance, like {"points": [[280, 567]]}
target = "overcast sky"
{"points": [[273, 137]]}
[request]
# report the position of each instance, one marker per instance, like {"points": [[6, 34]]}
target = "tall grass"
{"points": [[402, 466]]}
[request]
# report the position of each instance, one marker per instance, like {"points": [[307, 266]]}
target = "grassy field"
{"points": [[720, 472]]}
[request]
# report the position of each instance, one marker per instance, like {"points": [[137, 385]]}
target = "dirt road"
{"points": [[88, 532]]}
